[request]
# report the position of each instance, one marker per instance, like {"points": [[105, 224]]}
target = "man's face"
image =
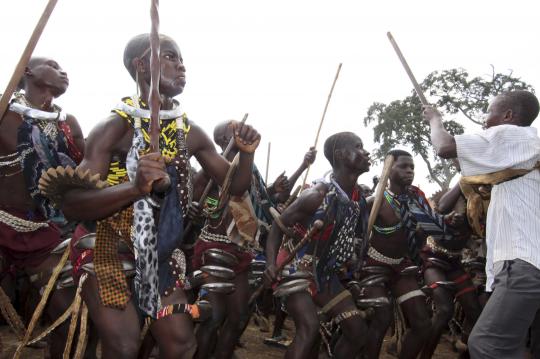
{"points": [[355, 156], [173, 72], [46, 72], [403, 171], [496, 113]]}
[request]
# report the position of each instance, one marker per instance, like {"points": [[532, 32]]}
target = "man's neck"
{"points": [[397, 189], [167, 103], [39, 98], [346, 180]]}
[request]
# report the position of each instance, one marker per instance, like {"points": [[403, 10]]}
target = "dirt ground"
{"points": [[252, 341]]}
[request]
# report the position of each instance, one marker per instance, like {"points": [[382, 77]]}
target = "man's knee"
{"points": [[120, 347], [421, 327], [308, 328], [182, 345]]}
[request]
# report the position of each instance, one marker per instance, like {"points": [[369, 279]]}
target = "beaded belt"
{"points": [[19, 224], [213, 237], [439, 249], [374, 254]]}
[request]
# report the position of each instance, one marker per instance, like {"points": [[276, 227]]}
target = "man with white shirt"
{"points": [[506, 154]]}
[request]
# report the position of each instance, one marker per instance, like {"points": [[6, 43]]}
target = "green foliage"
{"points": [[400, 123]]}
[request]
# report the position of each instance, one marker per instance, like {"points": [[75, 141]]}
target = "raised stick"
{"points": [[417, 87], [322, 120], [317, 225], [154, 100], [211, 182], [25, 57], [381, 186], [267, 162]]}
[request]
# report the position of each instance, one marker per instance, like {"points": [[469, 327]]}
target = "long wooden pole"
{"points": [[25, 57], [408, 70], [154, 100], [267, 162], [381, 186], [322, 120]]}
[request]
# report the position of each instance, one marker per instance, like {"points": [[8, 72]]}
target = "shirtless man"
{"points": [[337, 201], [148, 182], [230, 311], [29, 224], [403, 224]]}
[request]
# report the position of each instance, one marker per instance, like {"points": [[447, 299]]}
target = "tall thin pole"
{"points": [[408, 70], [267, 162], [322, 120], [154, 99]]}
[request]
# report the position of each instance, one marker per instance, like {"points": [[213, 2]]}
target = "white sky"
{"points": [[276, 60]]}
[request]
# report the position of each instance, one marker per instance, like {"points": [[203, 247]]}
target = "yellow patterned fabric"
{"points": [[167, 137]]}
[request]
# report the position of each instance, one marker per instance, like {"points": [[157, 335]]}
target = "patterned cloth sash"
{"points": [[346, 220], [415, 212], [43, 143]]}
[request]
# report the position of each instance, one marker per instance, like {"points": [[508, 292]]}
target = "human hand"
{"points": [[195, 211], [270, 275], [309, 157], [152, 174], [281, 183], [246, 138], [431, 113], [456, 219]]}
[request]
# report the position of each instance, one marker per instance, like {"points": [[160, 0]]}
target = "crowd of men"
{"points": [[167, 260]]}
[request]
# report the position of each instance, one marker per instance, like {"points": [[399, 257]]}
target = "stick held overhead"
{"points": [[25, 57], [322, 120], [408, 70]]}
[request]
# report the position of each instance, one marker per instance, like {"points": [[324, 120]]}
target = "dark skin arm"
{"points": [[247, 140], [108, 138], [76, 132], [449, 200], [308, 160], [443, 142], [299, 211]]}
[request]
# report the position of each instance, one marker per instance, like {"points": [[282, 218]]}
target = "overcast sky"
{"points": [[276, 60]]}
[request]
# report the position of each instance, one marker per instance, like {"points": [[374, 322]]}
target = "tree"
{"points": [[400, 122]]}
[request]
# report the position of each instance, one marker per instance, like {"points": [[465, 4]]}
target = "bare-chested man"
{"points": [[143, 210], [36, 134], [338, 201], [230, 311], [404, 222]]}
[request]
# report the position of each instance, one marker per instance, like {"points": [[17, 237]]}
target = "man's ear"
{"points": [[508, 115], [138, 65]]}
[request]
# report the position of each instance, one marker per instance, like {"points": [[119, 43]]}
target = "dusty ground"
{"points": [[252, 339]]}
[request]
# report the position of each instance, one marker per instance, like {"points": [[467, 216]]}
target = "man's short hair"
{"points": [[137, 47], [524, 105], [336, 142], [398, 153]]}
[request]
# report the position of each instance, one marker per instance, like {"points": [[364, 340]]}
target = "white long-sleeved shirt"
{"points": [[513, 218]]}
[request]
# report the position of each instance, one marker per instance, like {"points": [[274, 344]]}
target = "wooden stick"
{"points": [[210, 183], [154, 100], [322, 120], [267, 162], [388, 162], [417, 87], [25, 57], [317, 225]]}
